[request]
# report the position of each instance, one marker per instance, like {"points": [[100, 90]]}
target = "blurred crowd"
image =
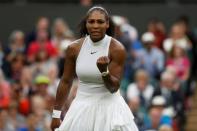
{"points": [[157, 84]]}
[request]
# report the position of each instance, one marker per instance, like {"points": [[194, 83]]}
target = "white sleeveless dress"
{"points": [[95, 108]]}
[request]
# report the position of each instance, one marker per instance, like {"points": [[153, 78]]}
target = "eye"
{"points": [[100, 21], [90, 21]]}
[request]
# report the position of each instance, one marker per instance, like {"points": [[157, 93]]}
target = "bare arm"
{"points": [[66, 80], [115, 66]]}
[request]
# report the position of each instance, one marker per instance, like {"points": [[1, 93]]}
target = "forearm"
{"points": [[111, 83], [62, 94]]}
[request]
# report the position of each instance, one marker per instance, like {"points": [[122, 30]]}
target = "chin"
{"points": [[96, 38]]}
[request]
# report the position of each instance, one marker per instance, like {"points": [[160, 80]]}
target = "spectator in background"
{"points": [[61, 34], [42, 64], [185, 22], [179, 61], [42, 45], [16, 46], [17, 43], [155, 115], [124, 38], [41, 89], [41, 85], [26, 90], [177, 34], [61, 38], [23, 103], [170, 89], [42, 24], [150, 58], [31, 124], [26, 80], [140, 89], [119, 34], [15, 120], [157, 28], [16, 66], [42, 115]]}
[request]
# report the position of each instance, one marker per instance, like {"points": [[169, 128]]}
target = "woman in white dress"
{"points": [[98, 60]]}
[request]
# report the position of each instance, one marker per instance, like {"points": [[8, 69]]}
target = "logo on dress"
{"points": [[93, 52]]}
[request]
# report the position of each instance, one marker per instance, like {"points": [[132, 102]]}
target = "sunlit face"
{"points": [[142, 81], [19, 38], [177, 32], [96, 25], [59, 28]]}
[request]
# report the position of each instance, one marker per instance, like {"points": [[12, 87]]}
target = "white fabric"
{"points": [[94, 107], [133, 91]]}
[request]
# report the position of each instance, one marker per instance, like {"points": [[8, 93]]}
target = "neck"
{"points": [[97, 40]]}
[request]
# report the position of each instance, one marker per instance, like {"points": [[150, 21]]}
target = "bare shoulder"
{"points": [[117, 49], [75, 47], [76, 44]]}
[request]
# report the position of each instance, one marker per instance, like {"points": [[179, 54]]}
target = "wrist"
{"points": [[105, 73], [56, 114]]}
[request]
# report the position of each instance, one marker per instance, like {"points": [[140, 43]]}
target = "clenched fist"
{"points": [[102, 63]]}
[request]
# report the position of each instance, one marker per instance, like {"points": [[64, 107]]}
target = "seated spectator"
{"points": [[61, 35], [154, 119], [158, 29], [43, 24], [150, 58], [178, 33], [41, 89], [170, 89], [39, 110], [17, 44], [41, 45], [180, 62], [15, 119], [140, 89], [124, 37], [42, 65]]}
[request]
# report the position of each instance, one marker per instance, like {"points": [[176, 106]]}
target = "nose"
{"points": [[95, 25]]}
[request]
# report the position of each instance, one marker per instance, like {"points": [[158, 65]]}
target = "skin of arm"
{"points": [[66, 80], [68, 75], [115, 65]]}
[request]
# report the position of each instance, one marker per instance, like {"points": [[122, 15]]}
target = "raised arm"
{"points": [[115, 64]]}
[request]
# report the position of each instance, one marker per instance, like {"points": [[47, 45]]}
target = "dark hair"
{"points": [[82, 25], [183, 19]]}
